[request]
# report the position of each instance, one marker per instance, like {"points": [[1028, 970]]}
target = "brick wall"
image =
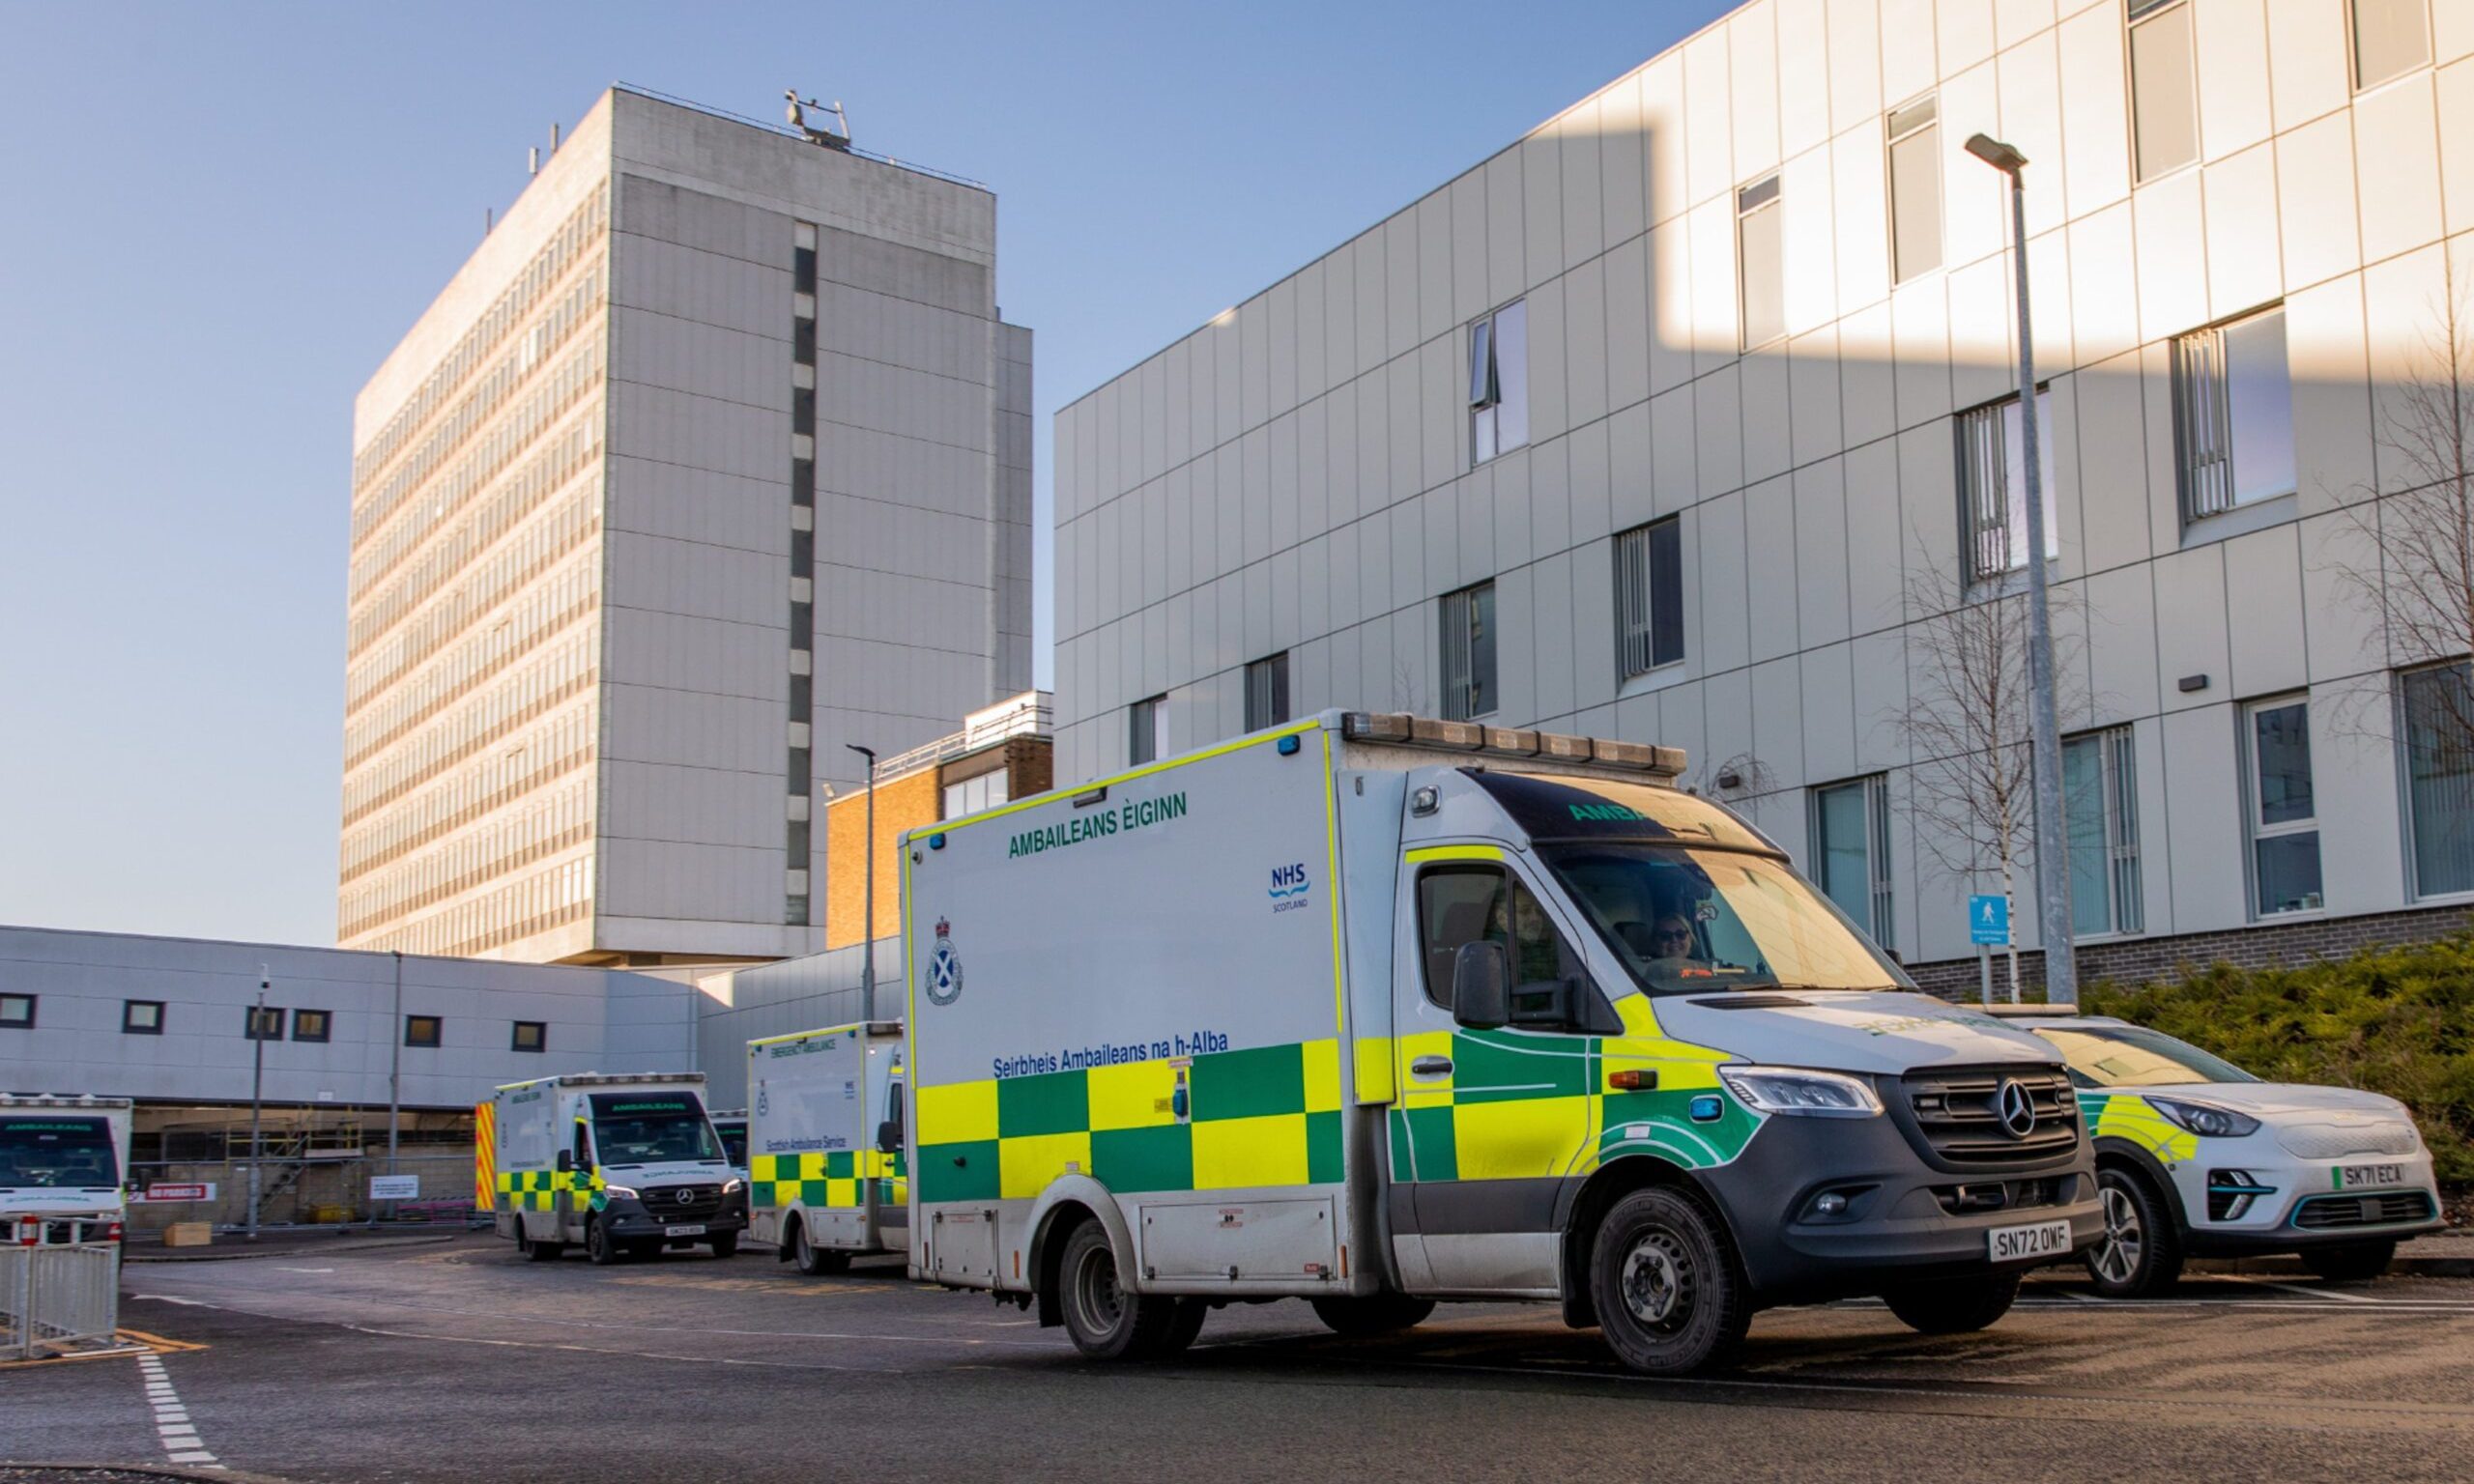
{"points": [[901, 804], [2142, 960]]}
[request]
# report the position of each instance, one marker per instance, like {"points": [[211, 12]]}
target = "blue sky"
{"points": [[220, 219]]}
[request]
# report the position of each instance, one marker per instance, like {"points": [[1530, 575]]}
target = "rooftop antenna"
{"points": [[536, 159], [554, 136], [798, 117]]}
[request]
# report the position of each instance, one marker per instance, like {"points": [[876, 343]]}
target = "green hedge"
{"points": [[2394, 1020]]}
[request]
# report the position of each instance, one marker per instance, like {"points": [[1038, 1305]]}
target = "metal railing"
{"points": [[59, 1286], [1028, 715], [318, 1189]]}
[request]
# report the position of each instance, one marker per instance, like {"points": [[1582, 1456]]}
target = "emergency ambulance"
{"points": [[623, 1165], [1376, 1010], [64, 1159], [825, 1145]]}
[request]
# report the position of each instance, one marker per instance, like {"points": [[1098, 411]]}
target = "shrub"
{"points": [[2394, 1020]]}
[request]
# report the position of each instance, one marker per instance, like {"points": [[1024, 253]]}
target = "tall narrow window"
{"points": [[1468, 652], [2164, 106], [1267, 691], [2390, 39], [1852, 851], [1146, 738], [2233, 414], [1499, 382], [2284, 818], [1915, 189], [2100, 818], [1649, 595], [1761, 263], [1993, 486], [2439, 776]]}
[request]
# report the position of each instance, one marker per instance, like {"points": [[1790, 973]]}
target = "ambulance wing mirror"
{"points": [[1481, 986], [566, 1161], [889, 1136]]}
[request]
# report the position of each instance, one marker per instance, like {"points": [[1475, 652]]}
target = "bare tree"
{"points": [[2416, 569], [1966, 722]]}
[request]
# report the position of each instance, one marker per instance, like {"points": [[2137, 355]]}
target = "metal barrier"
{"points": [[310, 1190], [59, 1285]]}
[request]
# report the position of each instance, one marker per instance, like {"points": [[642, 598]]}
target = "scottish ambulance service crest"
{"points": [[944, 968]]}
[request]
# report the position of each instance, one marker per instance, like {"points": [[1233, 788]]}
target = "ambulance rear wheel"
{"points": [[814, 1261], [1953, 1305], [1185, 1325], [1381, 1314], [538, 1251], [1663, 1276], [597, 1245], [726, 1244], [1103, 1321]]}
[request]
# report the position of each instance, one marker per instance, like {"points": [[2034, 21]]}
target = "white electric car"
{"points": [[2196, 1157]]}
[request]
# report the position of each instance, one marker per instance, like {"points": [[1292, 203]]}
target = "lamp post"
{"points": [[868, 910], [2044, 731], [394, 1082], [257, 1088]]}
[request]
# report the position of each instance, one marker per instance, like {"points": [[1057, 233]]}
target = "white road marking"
{"points": [[172, 1425], [305, 1270]]}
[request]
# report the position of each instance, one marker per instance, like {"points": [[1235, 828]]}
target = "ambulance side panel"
{"points": [[807, 1107], [1133, 998]]}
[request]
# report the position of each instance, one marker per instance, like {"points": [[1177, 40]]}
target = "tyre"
{"points": [[1953, 1305], [539, 1251], [726, 1244], [1382, 1314], [2141, 1252], [1103, 1321], [1664, 1275], [1184, 1324], [814, 1261], [2355, 1261], [597, 1245]]}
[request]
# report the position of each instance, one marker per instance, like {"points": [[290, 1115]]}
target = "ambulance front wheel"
{"points": [[1103, 1321], [726, 1244], [597, 1244], [1664, 1276], [1382, 1314]]}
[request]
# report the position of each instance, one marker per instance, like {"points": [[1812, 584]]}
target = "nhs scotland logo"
{"points": [[1290, 887]]}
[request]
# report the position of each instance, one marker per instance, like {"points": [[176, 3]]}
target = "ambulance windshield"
{"points": [[1687, 921], [57, 1154], [651, 1128]]}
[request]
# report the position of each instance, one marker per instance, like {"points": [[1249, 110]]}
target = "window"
{"points": [[141, 1017], [1267, 691], [1649, 595], [2284, 821], [2233, 414], [421, 1031], [2165, 118], [2439, 776], [1463, 904], [2390, 39], [1468, 652], [970, 795], [2100, 818], [1915, 189], [16, 1011], [1993, 486], [1146, 731], [312, 1025], [1499, 382], [1852, 851], [260, 1024], [531, 1036], [1761, 269]]}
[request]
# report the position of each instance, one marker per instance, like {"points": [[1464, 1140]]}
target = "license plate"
{"points": [[2017, 1244], [2369, 1177], [683, 1231]]}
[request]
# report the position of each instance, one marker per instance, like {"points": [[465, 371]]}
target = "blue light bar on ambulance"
{"points": [[1512, 742]]}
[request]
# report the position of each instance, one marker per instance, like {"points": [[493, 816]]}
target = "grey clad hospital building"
{"points": [[1690, 417]]}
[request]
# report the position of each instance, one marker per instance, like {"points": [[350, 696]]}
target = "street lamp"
{"points": [[868, 910], [2044, 732]]}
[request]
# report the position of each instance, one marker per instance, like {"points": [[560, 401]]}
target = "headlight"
{"points": [[733, 1186], [619, 1192], [2205, 1120], [1800, 1090]]}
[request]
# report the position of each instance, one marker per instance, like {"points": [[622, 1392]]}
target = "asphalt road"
{"points": [[457, 1362]]}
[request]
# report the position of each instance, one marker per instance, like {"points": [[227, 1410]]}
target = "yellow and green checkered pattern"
{"points": [[539, 1189], [2127, 1116], [1521, 1106], [1263, 1116], [838, 1179]]}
